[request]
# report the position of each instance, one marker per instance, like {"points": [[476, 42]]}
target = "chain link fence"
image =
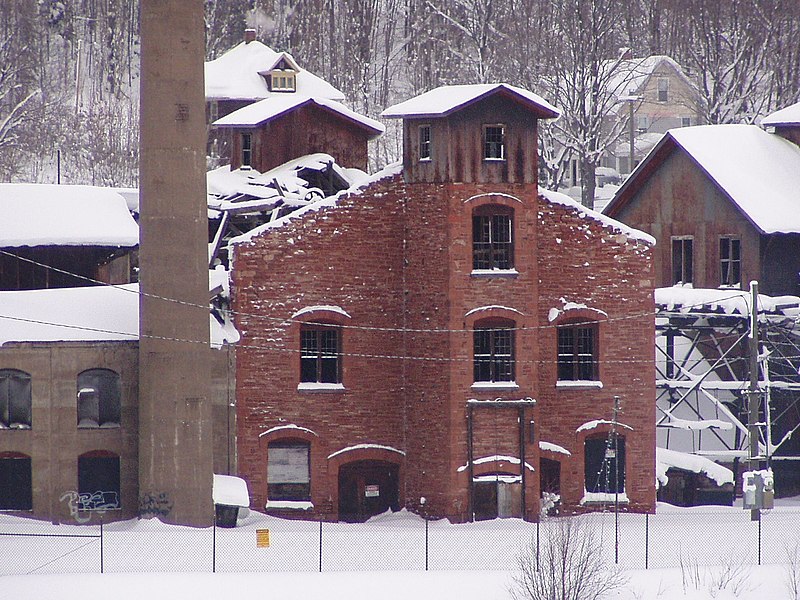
{"points": [[702, 536]]}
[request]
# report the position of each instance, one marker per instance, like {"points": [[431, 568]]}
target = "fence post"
{"points": [[759, 542], [214, 546], [101, 544], [646, 540], [320, 544], [537, 544], [426, 544]]}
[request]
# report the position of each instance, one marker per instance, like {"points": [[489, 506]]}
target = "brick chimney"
{"points": [[249, 35]]}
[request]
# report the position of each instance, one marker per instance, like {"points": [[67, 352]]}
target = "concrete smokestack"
{"points": [[175, 438]]}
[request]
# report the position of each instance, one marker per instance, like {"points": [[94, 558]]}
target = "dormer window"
{"points": [[494, 142], [283, 76], [283, 81]]}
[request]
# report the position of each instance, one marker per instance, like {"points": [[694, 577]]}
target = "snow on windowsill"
{"points": [[604, 497], [311, 386], [289, 505], [495, 385], [579, 383], [494, 273]]}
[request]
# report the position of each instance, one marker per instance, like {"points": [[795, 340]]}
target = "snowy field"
{"points": [[698, 553]]}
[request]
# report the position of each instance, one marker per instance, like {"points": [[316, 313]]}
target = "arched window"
{"points": [[16, 489], [604, 460], [15, 399], [578, 351], [493, 350], [289, 470], [98, 480], [99, 392], [492, 238]]}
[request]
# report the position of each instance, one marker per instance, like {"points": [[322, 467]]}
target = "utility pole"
{"points": [[753, 393]]}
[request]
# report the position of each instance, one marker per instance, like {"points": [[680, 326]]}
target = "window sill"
{"points": [[497, 160], [289, 505], [426, 160], [494, 385], [309, 386], [484, 273], [14, 427], [579, 384], [604, 498]]}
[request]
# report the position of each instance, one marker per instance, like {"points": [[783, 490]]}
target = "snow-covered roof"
{"points": [[444, 100], [98, 313], [230, 491], [563, 199], [725, 301], [785, 116], [64, 215], [276, 105], [330, 202], [224, 184], [758, 171], [235, 76], [671, 459]]}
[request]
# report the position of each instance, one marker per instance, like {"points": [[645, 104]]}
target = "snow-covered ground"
{"points": [[385, 558]]}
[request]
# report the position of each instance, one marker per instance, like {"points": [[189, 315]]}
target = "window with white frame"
{"points": [[424, 142], [663, 89], [494, 142], [320, 353]]}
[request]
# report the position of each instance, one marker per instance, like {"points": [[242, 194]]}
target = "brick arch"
{"points": [[493, 313], [495, 466], [286, 433], [580, 315], [493, 198], [348, 455]]}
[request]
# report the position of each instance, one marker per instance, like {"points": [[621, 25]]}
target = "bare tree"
{"points": [[583, 40], [569, 566]]}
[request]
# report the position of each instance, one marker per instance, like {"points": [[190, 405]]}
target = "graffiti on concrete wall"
{"points": [[82, 505], [154, 505]]}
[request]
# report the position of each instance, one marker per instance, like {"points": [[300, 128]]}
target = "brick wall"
{"points": [[399, 256]]}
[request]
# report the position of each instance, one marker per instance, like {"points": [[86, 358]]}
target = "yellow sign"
{"points": [[262, 538]]}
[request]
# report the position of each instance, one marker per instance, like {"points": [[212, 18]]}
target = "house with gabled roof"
{"points": [[446, 337], [273, 131], [722, 202]]}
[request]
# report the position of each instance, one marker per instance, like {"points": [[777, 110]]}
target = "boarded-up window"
{"points": [[604, 460], [288, 470], [15, 399], [98, 398], [16, 491], [98, 481]]}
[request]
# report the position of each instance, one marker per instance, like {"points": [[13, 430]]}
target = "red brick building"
{"points": [[447, 339]]}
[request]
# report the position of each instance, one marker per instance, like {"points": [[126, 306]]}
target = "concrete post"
{"points": [[175, 437]]}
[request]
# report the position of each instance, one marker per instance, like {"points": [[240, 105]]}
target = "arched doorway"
{"points": [[367, 488]]}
